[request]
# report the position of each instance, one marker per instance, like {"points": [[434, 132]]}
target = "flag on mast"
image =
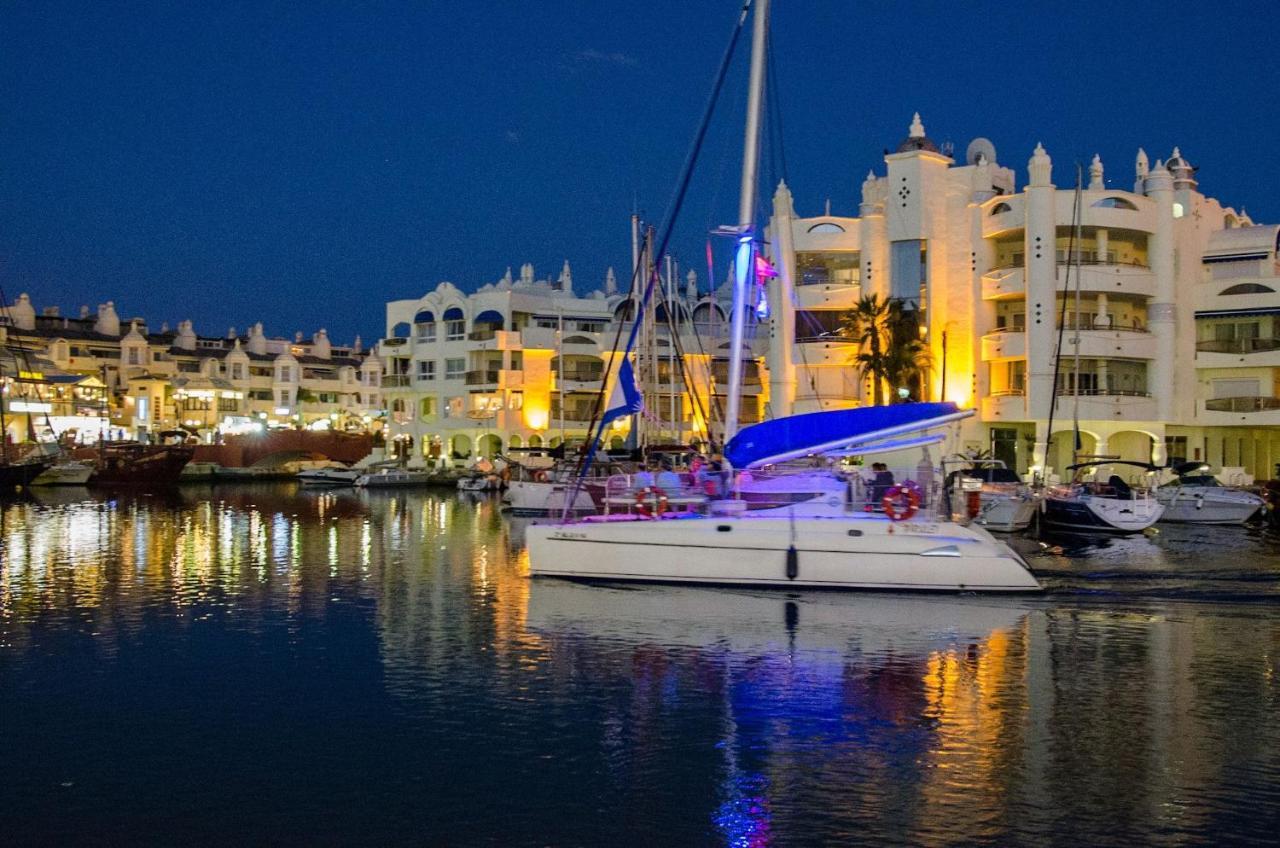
{"points": [[625, 399]]}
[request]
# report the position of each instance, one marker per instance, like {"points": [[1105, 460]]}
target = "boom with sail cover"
{"points": [[823, 432]]}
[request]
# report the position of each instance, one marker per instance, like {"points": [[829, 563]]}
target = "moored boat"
{"points": [[1196, 497], [386, 478], [68, 473], [1004, 503], [133, 464], [1090, 506]]}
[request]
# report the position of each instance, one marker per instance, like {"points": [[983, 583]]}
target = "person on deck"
{"points": [[881, 483], [667, 480], [645, 479]]}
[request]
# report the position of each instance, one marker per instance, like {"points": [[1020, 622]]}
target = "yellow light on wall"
{"points": [[536, 416]]}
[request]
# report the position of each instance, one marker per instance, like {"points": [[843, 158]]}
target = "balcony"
{"points": [[1108, 404], [1238, 345], [482, 378], [1004, 344], [396, 381], [1254, 411], [1004, 283], [577, 415], [1242, 404], [583, 375], [1006, 405]]}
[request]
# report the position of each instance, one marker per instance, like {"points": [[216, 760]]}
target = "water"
{"points": [[260, 666]]}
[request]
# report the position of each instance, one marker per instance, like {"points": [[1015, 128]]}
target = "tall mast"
{"points": [[744, 262]]}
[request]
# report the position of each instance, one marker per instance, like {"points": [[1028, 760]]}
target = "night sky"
{"points": [[301, 164]]}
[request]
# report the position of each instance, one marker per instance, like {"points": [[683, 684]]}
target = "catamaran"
{"points": [[824, 542]]}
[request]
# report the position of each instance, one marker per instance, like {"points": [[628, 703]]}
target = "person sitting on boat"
{"points": [[881, 483], [668, 480], [645, 479]]}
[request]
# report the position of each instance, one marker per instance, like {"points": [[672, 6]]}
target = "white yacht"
{"points": [[386, 478], [1196, 497], [1088, 505], [336, 475], [990, 494], [826, 542]]}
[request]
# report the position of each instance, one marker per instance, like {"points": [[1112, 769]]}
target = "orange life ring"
{"points": [[541, 476], [891, 498], [643, 496]]}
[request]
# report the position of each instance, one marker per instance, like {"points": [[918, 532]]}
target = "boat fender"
{"points": [[793, 563], [891, 499], [647, 494]]}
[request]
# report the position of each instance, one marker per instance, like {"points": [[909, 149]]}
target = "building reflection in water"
{"points": [[754, 715]]}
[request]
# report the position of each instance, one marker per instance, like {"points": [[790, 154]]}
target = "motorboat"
{"points": [[990, 494], [825, 542], [544, 489], [1197, 497], [386, 478], [1089, 505], [336, 475], [68, 473]]}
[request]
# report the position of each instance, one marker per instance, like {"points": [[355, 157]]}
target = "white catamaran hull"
{"points": [[865, 552], [1205, 505]]}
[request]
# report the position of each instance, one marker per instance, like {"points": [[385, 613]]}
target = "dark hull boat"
{"points": [[141, 465], [13, 475]]}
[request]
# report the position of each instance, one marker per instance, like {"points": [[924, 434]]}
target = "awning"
{"points": [[1238, 313], [842, 430]]}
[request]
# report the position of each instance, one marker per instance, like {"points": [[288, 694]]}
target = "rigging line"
{"points": [[1062, 321], [668, 227]]}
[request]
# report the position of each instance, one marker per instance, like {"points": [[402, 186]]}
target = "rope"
{"points": [[668, 227]]}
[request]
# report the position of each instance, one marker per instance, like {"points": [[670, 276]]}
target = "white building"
{"points": [[1178, 320], [520, 362], [160, 380]]}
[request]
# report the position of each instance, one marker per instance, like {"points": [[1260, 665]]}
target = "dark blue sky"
{"points": [[301, 164]]}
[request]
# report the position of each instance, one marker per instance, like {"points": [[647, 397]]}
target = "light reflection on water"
{"points": [[254, 664]]}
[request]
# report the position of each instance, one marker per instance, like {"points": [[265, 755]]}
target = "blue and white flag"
{"points": [[625, 399]]}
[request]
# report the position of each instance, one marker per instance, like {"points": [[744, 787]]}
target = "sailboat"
{"points": [[1085, 504], [811, 545], [17, 471]]}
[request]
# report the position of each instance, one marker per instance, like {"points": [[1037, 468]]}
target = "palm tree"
{"points": [[868, 324], [890, 348]]}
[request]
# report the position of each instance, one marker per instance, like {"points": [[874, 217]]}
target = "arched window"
{"points": [[826, 227], [1248, 288], [455, 324], [1000, 207], [424, 324], [400, 331], [583, 340], [1114, 203]]}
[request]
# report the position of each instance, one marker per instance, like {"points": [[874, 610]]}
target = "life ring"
{"points": [[541, 476], [908, 490], [645, 495]]}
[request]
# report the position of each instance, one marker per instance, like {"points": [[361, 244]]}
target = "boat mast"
{"points": [[1074, 257], [744, 263], [4, 425]]}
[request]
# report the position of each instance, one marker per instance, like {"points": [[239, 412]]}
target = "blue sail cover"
{"points": [[821, 432]]}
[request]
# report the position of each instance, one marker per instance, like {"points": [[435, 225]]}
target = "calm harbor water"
{"points": [[258, 665]]}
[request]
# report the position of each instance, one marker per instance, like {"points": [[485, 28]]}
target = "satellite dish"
{"points": [[980, 147]]}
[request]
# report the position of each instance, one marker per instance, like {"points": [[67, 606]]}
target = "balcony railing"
{"points": [[583, 375], [481, 378], [1068, 392], [1010, 393], [826, 337], [395, 381], [1238, 345], [1242, 404], [579, 414], [483, 334], [394, 342]]}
